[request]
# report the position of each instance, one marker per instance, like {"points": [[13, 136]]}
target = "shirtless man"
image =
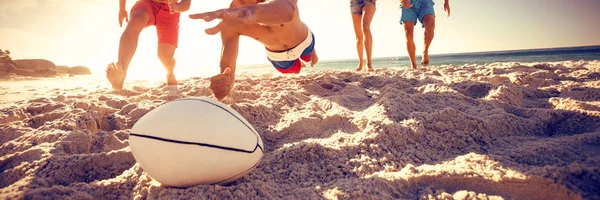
{"points": [[275, 23], [165, 16], [423, 11]]}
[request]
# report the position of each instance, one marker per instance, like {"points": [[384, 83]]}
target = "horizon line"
{"points": [[400, 57], [473, 52]]}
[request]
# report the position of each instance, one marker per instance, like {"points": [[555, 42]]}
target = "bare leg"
{"points": [[166, 53], [356, 21], [429, 22], [368, 13], [314, 58], [116, 73], [410, 43]]}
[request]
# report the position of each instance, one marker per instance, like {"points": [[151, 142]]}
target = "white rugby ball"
{"points": [[193, 141]]}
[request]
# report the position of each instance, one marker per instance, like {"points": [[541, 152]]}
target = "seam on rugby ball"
{"points": [[199, 144], [221, 107]]}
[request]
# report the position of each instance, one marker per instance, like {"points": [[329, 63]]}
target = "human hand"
{"points": [[447, 7], [406, 4], [123, 15], [175, 7], [243, 14], [229, 17], [222, 84]]}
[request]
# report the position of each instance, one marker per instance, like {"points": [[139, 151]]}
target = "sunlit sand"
{"points": [[495, 131]]}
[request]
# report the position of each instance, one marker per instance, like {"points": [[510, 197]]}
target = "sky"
{"points": [[86, 32]]}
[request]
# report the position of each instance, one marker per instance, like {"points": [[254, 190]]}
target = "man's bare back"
{"points": [[276, 24]]}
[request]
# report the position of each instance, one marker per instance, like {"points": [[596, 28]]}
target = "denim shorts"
{"points": [[419, 9], [356, 6]]}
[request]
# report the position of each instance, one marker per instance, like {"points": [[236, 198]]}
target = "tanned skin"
{"points": [[276, 24], [117, 72], [429, 23]]}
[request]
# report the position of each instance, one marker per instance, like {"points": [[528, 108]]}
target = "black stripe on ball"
{"points": [[199, 144]]}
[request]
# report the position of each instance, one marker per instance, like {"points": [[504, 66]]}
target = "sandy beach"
{"points": [[495, 131]]}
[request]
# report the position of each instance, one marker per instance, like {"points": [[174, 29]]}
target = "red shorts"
{"points": [[167, 24]]}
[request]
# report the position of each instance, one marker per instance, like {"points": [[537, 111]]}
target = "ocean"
{"points": [[11, 91], [528, 55]]}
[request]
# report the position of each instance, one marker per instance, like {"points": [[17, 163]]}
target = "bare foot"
{"points": [[359, 68], [171, 80], [425, 60], [314, 58], [370, 68], [115, 75]]}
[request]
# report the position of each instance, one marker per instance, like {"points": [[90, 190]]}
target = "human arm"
{"points": [[229, 51], [122, 4], [222, 83], [272, 12], [447, 6], [122, 13]]}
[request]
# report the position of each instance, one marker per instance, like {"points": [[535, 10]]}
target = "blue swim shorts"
{"points": [[356, 6], [419, 9], [288, 62]]}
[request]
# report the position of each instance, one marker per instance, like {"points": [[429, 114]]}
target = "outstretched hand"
{"points": [[232, 14]]}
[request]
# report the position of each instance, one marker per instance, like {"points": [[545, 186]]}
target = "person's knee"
{"points": [[359, 38], [429, 22], [138, 20], [429, 27], [366, 29]]}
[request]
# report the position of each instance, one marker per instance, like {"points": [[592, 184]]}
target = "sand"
{"points": [[494, 131]]}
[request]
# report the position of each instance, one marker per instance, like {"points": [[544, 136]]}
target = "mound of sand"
{"points": [[501, 130]]}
